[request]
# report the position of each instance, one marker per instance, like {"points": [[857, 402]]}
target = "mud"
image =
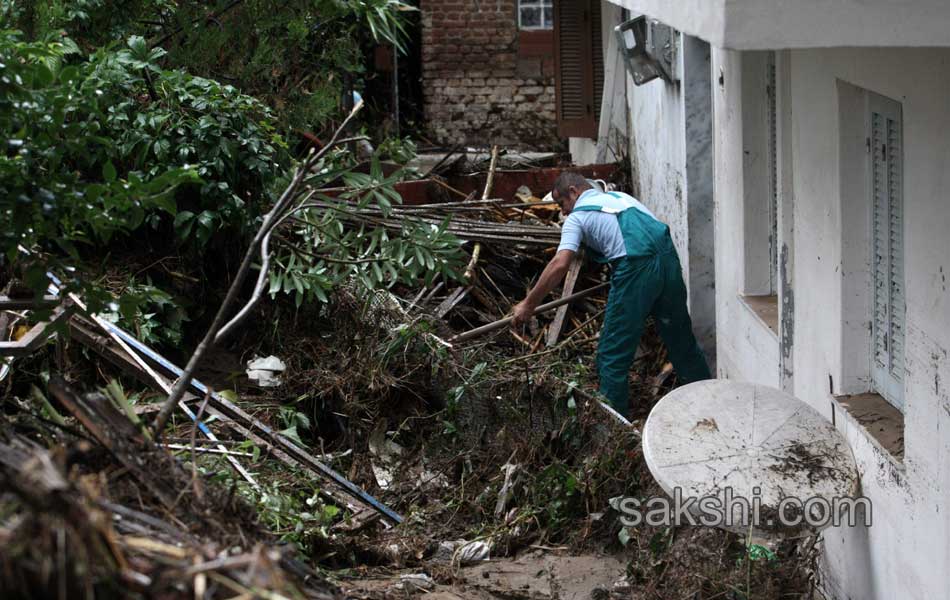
{"points": [[537, 574]]}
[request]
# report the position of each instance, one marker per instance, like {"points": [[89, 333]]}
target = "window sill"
{"points": [[882, 422], [765, 308]]}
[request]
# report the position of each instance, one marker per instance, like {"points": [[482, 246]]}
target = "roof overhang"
{"points": [[776, 24]]}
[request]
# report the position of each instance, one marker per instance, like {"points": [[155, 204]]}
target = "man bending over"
{"points": [[646, 279]]}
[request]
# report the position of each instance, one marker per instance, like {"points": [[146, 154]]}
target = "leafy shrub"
{"points": [[295, 56], [159, 118], [58, 184], [101, 147]]}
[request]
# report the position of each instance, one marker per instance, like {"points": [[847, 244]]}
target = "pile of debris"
{"points": [[107, 512], [408, 429]]}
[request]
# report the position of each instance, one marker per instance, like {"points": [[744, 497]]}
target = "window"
{"points": [[761, 140], [870, 384], [535, 14], [579, 67], [885, 159]]}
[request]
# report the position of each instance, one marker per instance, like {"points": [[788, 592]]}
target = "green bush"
{"points": [[102, 149], [294, 56], [98, 148]]}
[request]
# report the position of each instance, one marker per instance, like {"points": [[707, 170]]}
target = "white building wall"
{"points": [[906, 552], [671, 160], [670, 147], [746, 348], [766, 24]]}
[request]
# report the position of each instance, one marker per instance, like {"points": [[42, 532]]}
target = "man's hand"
{"points": [[522, 312], [551, 276]]}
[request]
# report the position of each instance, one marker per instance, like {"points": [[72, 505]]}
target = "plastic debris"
{"points": [[264, 371], [461, 552], [505, 493], [387, 453], [416, 581]]}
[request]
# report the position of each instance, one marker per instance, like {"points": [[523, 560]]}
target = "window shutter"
{"points": [[771, 91], [579, 66], [887, 327], [597, 60]]}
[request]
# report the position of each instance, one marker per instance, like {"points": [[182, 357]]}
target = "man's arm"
{"points": [[552, 275]]}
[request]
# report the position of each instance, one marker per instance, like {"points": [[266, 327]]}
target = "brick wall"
{"points": [[484, 82]]}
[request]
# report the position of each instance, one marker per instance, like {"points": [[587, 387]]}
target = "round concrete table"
{"points": [[721, 439]]}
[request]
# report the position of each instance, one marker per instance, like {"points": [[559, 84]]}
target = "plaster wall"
{"points": [[746, 348], [670, 149], [764, 24], [905, 553]]}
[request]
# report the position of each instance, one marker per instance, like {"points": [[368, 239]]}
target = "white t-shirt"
{"points": [[598, 230]]}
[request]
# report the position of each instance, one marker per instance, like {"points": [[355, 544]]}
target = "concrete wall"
{"points": [[745, 347], [906, 552], [670, 149], [763, 24], [484, 82]]}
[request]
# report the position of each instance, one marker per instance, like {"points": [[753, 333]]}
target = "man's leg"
{"points": [[633, 292], [676, 328]]}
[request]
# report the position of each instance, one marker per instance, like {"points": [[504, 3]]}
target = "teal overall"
{"points": [[648, 281]]}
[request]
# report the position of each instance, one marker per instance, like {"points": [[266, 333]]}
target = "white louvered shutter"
{"points": [[772, 92], [887, 256]]}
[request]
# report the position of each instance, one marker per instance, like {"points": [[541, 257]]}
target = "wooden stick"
{"points": [[554, 332], [205, 450], [525, 342], [470, 269], [451, 300], [502, 323], [491, 173], [449, 187]]}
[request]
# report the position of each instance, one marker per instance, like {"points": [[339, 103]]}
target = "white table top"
{"points": [[712, 435]]}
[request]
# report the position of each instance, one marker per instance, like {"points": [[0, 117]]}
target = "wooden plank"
{"points": [[123, 448], [554, 331], [8, 303], [451, 301], [28, 344]]}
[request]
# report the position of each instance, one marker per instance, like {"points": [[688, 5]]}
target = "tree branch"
{"points": [[274, 217]]}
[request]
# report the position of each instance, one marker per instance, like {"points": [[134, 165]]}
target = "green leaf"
{"points": [[138, 46], [206, 220], [68, 75], [274, 283], [229, 395], [42, 75], [108, 172]]}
